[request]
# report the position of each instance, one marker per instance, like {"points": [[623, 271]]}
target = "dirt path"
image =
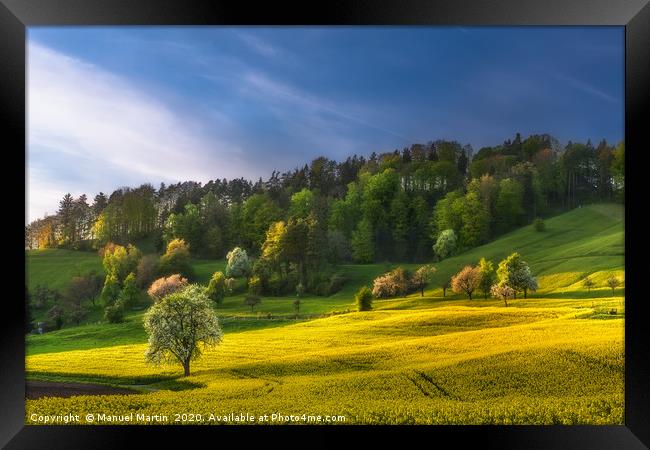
{"points": [[38, 389]]}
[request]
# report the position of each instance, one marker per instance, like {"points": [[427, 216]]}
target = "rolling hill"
{"points": [[554, 358]]}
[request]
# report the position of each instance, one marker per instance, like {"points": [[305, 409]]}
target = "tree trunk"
{"points": [[422, 291], [525, 293], [186, 368], [515, 295], [470, 295], [506, 302]]}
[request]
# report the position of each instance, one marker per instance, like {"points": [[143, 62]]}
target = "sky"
{"points": [[121, 106]]}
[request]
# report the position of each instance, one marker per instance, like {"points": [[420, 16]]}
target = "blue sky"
{"points": [[109, 107]]}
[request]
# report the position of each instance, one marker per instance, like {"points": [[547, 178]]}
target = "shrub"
{"points": [[336, 284], [108, 248], [130, 294], [363, 299], [114, 313], [119, 261], [85, 287], [43, 295], [146, 271], [252, 301], [176, 259], [217, 287], [165, 286], [55, 316], [539, 224], [111, 290], [395, 282]]}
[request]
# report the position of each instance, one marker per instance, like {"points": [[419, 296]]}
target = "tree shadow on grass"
{"points": [[578, 295], [146, 383]]}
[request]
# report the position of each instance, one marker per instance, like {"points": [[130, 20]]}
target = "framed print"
{"points": [[365, 216]]}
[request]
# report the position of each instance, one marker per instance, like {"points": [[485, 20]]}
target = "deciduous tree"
{"points": [[516, 273], [445, 245], [488, 276], [217, 287], [252, 300], [180, 326], [502, 291], [466, 281], [165, 286], [613, 283], [176, 259], [422, 277], [238, 263]]}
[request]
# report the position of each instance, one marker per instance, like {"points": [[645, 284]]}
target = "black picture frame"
{"points": [[634, 15]]}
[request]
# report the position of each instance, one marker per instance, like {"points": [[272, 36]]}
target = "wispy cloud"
{"points": [[586, 87], [265, 87], [88, 117], [260, 46]]}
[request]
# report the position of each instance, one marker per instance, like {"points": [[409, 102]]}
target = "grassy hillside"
{"points": [[55, 267], [587, 241], [555, 358]]}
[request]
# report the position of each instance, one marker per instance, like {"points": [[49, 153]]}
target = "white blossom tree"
{"points": [[238, 263], [180, 326], [502, 291], [445, 244], [516, 273]]}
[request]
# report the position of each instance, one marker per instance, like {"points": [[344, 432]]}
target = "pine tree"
{"points": [[66, 217]]}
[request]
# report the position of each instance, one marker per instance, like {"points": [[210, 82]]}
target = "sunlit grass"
{"points": [[474, 365]]}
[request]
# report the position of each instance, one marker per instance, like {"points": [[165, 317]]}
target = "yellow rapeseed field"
{"points": [[550, 361]]}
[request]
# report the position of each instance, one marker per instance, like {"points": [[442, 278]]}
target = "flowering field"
{"points": [[448, 364]]}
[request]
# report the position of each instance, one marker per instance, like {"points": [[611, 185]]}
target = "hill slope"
{"points": [[545, 360], [587, 241]]}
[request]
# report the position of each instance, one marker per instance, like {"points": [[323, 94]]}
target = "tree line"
{"points": [[390, 206]]}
